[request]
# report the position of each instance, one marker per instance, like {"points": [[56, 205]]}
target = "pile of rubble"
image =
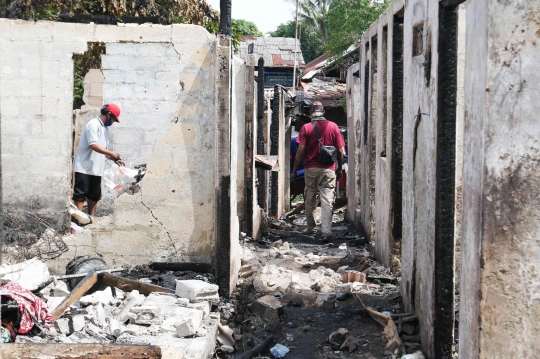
{"points": [[180, 322], [295, 295]]}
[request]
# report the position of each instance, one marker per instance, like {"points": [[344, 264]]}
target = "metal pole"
{"points": [[295, 50]]}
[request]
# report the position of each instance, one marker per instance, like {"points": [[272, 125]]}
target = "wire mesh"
{"points": [[28, 236]]}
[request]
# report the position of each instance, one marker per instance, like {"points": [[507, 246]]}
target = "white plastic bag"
{"points": [[117, 178]]}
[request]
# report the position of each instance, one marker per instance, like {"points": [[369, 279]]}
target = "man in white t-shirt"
{"points": [[89, 161]]}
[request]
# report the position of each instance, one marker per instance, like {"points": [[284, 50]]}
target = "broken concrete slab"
{"points": [[132, 299], [78, 321], [266, 303], [187, 321], [31, 274], [204, 306], [62, 325], [147, 315], [60, 289], [326, 300], [104, 297], [197, 291]]}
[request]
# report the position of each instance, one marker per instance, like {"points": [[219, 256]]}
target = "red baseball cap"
{"points": [[114, 109]]}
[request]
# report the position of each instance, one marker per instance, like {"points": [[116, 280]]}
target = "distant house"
{"points": [[278, 54]]}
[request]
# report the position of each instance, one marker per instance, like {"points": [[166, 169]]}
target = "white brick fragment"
{"points": [[197, 291], [204, 306], [78, 322], [133, 299]]}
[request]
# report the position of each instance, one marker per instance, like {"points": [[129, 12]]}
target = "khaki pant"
{"points": [[325, 181]]}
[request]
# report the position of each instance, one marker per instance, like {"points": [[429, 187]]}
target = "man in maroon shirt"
{"points": [[319, 175]]}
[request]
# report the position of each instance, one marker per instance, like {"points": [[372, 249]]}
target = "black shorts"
{"points": [[86, 187]]}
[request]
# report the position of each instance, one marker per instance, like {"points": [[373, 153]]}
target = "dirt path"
{"points": [[296, 269]]}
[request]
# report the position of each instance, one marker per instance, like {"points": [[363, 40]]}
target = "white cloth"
{"points": [[87, 160]]}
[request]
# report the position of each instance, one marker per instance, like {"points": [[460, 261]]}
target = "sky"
{"points": [[266, 14]]}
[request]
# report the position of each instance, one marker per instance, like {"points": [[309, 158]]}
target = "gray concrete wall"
{"points": [[500, 307], [239, 111], [383, 162], [159, 76], [353, 142]]}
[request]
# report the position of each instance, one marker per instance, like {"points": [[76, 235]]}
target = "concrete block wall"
{"points": [[239, 112], [145, 79], [36, 89], [500, 305], [163, 78], [427, 242], [470, 124]]}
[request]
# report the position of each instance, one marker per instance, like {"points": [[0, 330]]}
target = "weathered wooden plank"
{"points": [[128, 285], [266, 162], [178, 266], [87, 351], [80, 290]]}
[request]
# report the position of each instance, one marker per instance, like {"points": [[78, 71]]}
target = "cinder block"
{"points": [[114, 76], [147, 315], [189, 324], [204, 306], [10, 108], [112, 33], [154, 33], [189, 34], [122, 48], [197, 291], [31, 30], [170, 75], [78, 322], [111, 62], [125, 135], [268, 303]]}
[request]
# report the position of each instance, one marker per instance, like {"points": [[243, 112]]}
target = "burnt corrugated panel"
{"points": [[276, 60]]}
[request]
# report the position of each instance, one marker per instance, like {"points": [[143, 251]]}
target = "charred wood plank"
{"points": [[128, 285], [80, 290], [178, 266]]}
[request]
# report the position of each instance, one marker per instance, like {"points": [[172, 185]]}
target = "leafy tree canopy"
{"points": [[197, 12], [347, 20], [310, 38], [245, 27]]}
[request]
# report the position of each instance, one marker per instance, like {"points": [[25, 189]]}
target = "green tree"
{"points": [[313, 13], [348, 19], [245, 27], [310, 38]]}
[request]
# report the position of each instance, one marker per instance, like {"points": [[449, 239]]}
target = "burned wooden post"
{"points": [[274, 150], [262, 189], [225, 22], [223, 144], [249, 150]]}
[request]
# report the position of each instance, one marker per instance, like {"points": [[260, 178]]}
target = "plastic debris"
{"points": [[279, 351]]}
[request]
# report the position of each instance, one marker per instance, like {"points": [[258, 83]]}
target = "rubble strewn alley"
{"points": [[204, 148]]}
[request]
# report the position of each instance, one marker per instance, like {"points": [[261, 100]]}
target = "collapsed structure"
{"points": [[443, 153]]}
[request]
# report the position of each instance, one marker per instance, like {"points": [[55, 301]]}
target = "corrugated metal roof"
{"points": [[277, 60], [266, 47], [318, 62]]}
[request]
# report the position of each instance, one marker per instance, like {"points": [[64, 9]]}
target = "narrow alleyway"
{"points": [[312, 303]]}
